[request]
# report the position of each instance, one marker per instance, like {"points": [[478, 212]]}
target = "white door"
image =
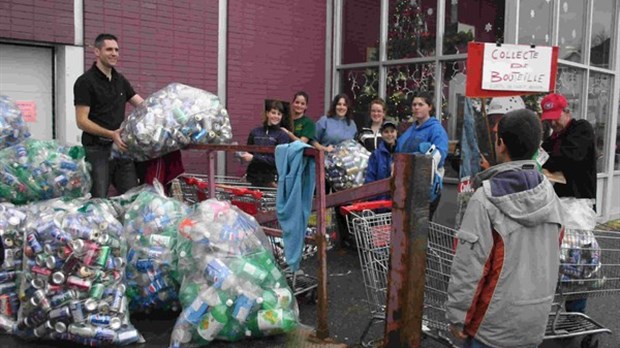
{"points": [[26, 77]]}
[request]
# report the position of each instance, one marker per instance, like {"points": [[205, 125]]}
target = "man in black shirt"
{"points": [[100, 96], [572, 151]]}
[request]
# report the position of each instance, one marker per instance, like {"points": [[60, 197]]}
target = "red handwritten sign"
{"points": [[28, 109], [509, 71]]}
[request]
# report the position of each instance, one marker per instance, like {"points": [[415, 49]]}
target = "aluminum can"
{"points": [[58, 278], [90, 305], [127, 336], [81, 330], [46, 272], [59, 313], [36, 318], [60, 327], [7, 276], [40, 299], [70, 263], [98, 319], [102, 258], [33, 243], [96, 291], [77, 311], [117, 300], [77, 282], [63, 297], [5, 305]]}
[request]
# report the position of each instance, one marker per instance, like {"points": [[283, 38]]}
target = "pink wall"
{"points": [[37, 20], [275, 48], [160, 42]]}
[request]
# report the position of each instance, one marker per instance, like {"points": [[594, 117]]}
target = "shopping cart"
{"points": [[195, 188], [590, 267], [371, 225]]}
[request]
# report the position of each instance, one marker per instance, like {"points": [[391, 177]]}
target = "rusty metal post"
{"points": [[322, 329], [211, 173], [405, 301]]}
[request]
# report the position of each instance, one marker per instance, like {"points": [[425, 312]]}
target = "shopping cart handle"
{"points": [[238, 191], [371, 205]]}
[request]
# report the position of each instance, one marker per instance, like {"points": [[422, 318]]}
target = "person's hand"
{"points": [[246, 156], [457, 331], [484, 163], [329, 148], [116, 136]]}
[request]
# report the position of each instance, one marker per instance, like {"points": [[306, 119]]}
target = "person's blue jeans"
{"points": [[578, 305], [119, 172]]}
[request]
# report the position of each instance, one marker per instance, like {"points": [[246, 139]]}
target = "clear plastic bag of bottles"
{"points": [[345, 166], [72, 283], [151, 223], [172, 118], [13, 129], [35, 170], [12, 221], [232, 287]]}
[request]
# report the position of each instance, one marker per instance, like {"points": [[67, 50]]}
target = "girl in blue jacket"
{"points": [[380, 161], [425, 129]]}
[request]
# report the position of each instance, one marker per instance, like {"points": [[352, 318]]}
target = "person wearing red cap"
{"points": [[572, 151]]}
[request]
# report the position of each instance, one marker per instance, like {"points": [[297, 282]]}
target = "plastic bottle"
{"points": [[272, 320], [213, 322], [280, 298]]}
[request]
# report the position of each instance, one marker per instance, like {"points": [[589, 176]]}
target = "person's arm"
{"points": [[440, 138], [468, 273], [371, 170], [136, 100], [320, 133], [246, 156]]}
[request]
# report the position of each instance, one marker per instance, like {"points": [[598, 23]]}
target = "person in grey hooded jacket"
{"points": [[505, 270]]}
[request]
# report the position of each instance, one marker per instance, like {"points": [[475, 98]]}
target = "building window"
{"points": [[583, 30]]}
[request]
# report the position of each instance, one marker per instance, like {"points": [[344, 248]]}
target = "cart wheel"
{"points": [[589, 342]]}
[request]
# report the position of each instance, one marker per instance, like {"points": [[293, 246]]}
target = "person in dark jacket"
{"points": [[261, 170], [572, 151], [370, 135], [380, 161]]}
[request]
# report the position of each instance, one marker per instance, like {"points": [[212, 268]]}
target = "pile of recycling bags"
{"points": [[13, 129], [151, 228], [35, 170], [72, 284], [232, 287], [345, 166], [172, 118]]}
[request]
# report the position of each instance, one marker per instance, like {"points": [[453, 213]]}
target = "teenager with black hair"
{"points": [[506, 265]]}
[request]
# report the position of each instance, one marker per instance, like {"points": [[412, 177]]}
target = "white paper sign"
{"points": [[516, 68]]}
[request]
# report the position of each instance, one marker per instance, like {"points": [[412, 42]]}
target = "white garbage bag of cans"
{"points": [[172, 118], [151, 224], [36, 170], [232, 287], [72, 283], [13, 129], [345, 166], [12, 221]]}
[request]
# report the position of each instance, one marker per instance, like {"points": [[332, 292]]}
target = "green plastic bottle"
{"points": [[250, 270], [278, 298], [271, 321], [213, 323], [188, 294], [264, 259]]}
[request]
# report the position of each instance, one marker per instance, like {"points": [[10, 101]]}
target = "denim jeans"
{"points": [[119, 172]]}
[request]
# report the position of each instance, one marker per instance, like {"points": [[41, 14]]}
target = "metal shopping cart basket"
{"points": [[589, 267], [193, 188], [371, 225]]}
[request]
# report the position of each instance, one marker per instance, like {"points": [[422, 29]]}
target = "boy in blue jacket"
{"points": [[380, 161]]}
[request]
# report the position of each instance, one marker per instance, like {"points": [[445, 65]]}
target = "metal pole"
{"points": [[322, 330], [405, 302]]}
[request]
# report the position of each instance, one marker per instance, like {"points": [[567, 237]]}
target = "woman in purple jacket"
{"points": [[262, 168]]}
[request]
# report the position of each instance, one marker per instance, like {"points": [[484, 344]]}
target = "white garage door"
{"points": [[26, 78]]}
